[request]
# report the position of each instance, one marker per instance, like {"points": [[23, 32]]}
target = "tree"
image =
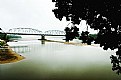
{"points": [[102, 15], [2, 43]]}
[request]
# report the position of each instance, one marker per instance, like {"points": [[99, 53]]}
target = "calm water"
{"points": [[58, 61]]}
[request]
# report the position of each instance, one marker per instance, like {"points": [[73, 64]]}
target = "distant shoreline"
{"points": [[71, 43]]}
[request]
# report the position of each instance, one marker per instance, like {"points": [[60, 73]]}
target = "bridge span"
{"points": [[34, 34], [30, 31]]}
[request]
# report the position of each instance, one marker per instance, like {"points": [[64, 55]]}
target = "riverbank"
{"points": [[71, 43], [7, 55]]}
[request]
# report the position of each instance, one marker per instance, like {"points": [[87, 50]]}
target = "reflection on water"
{"points": [[58, 61], [42, 41], [24, 48], [20, 49]]}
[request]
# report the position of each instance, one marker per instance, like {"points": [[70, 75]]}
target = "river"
{"points": [[58, 61]]}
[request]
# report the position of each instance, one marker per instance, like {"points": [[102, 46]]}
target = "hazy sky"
{"points": [[35, 14]]}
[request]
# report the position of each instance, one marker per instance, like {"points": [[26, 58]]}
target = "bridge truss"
{"points": [[25, 30], [30, 31], [54, 32]]}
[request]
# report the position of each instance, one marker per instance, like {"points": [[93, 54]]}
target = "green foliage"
{"points": [[93, 35], [9, 37], [2, 43], [2, 36], [13, 36]]}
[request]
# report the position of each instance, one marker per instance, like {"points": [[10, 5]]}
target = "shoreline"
{"points": [[7, 55], [70, 43]]}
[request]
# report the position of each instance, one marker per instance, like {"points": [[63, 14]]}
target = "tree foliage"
{"points": [[102, 15]]}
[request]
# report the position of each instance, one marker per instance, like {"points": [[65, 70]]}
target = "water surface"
{"points": [[58, 61]]}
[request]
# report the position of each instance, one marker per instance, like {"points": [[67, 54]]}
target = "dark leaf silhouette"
{"points": [[102, 15]]}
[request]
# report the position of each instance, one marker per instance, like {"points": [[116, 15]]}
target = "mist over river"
{"points": [[58, 61]]}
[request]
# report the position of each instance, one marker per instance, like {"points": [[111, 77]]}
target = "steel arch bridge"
{"points": [[25, 30], [54, 32], [31, 31]]}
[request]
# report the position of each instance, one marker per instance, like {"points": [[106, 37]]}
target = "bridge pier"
{"points": [[43, 37]]}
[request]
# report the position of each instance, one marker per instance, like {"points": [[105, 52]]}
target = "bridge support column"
{"points": [[43, 37]]}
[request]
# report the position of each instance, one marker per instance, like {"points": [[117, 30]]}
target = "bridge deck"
{"points": [[33, 34]]}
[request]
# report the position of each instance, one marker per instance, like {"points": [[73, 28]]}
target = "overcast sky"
{"points": [[35, 14]]}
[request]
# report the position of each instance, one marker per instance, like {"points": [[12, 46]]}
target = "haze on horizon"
{"points": [[35, 14]]}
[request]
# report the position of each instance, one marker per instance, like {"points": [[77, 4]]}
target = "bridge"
{"points": [[31, 31]]}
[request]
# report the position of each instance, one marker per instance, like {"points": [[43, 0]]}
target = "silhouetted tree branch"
{"points": [[102, 15]]}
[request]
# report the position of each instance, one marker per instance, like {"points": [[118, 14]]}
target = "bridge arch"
{"points": [[55, 32], [25, 30]]}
